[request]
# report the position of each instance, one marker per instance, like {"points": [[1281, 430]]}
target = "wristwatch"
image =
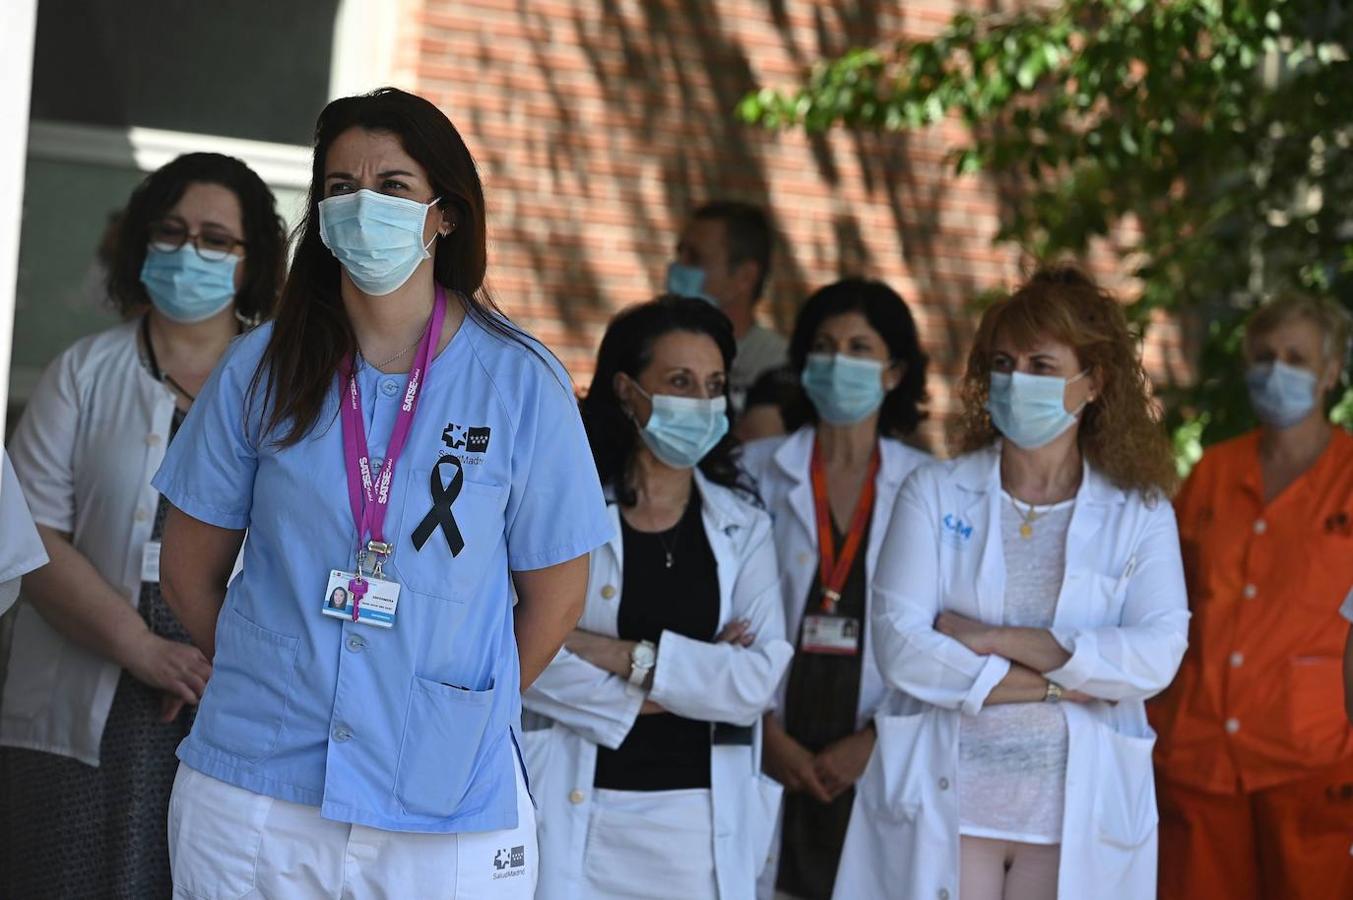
{"points": [[642, 658], [1054, 694]]}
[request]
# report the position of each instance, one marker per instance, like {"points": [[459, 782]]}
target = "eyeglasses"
{"points": [[212, 244]]}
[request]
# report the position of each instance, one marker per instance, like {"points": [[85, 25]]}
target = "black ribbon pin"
{"points": [[440, 516]]}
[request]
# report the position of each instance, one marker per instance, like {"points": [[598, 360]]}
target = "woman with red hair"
{"points": [[1040, 565]]}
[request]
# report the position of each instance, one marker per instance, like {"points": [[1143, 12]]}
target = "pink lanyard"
{"points": [[368, 497]]}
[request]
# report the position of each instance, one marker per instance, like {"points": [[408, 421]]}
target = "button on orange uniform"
{"points": [[1258, 701]]}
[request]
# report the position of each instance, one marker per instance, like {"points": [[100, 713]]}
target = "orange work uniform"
{"points": [[1255, 754]]}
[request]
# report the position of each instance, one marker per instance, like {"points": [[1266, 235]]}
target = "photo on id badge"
{"points": [[378, 601]]}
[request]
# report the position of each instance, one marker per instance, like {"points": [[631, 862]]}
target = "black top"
{"points": [[663, 751], [820, 702]]}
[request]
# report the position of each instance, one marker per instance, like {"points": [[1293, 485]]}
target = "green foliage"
{"points": [[1222, 132]]}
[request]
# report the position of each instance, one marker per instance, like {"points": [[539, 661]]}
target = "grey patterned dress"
{"points": [[68, 830]]}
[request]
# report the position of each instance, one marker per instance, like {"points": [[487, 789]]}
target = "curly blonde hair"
{"points": [[1120, 433]]}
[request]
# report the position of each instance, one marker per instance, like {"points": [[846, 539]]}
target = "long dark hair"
{"points": [[887, 313], [627, 347], [265, 236], [312, 334]]}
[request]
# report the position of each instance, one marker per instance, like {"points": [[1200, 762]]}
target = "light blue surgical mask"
{"points": [[844, 389], [687, 281], [186, 288], [1281, 395], [682, 430], [377, 238], [1030, 410]]}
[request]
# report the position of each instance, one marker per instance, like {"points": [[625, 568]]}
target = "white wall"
{"points": [[18, 24]]}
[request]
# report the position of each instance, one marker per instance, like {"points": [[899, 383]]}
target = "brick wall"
{"points": [[599, 124]]}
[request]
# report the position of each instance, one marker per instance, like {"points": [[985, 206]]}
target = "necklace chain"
{"points": [[382, 365], [675, 531], [1026, 528]]}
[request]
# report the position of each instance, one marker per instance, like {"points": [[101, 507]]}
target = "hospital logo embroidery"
{"points": [[509, 863], [471, 440], [956, 530]]}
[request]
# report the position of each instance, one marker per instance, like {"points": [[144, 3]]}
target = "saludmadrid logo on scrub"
{"points": [[509, 863]]}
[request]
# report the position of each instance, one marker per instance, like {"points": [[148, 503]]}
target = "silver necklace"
{"points": [[675, 531], [382, 365]]}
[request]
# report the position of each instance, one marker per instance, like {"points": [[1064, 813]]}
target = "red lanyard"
{"points": [[835, 569]]}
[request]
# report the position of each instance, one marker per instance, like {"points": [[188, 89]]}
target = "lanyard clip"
{"points": [[380, 551]]}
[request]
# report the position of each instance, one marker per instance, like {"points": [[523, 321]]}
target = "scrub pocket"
{"points": [[892, 784], [1315, 716], [215, 836], [479, 521], [443, 745], [763, 812], [247, 696], [1125, 813]]}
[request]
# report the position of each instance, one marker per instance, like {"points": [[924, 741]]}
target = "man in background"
{"points": [[723, 257]]}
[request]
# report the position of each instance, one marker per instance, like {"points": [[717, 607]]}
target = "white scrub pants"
{"points": [[227, 843], [650, 845]]}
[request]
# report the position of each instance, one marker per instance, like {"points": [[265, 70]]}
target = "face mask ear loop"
{"points": [[436, 234], [1070, 381], [629, 413]]}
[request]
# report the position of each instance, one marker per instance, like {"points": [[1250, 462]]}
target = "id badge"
{"points": [[150, 562], [378, 602], [839, 635]]}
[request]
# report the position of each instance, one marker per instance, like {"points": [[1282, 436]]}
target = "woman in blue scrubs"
{"points": [[394, 435]]}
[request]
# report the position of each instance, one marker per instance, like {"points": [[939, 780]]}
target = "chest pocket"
{"points": [[451, 529], [1104, 598], [1329, 568]]}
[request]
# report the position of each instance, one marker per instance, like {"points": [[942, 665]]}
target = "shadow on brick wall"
{"points": [[640, 101]]}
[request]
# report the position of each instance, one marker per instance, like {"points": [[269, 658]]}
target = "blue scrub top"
{"points": [[408, 728]]}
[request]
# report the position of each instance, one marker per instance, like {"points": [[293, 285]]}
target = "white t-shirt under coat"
{"points": [[1012, 757]]}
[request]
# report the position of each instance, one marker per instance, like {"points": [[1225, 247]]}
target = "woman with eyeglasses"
{"points": [[101, 682]]}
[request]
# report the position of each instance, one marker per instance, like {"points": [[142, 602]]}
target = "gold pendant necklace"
{"points": [[1026, 528]]}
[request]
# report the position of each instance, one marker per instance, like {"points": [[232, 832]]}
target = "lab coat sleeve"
{"points": [[912, 655], [722, 682], [1138, 657], [43, 448], [586, 698]]}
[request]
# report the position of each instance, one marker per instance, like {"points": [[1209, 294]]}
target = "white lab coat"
{"points": [[1122, 614], [574, 706], [782, 469], [93, 434], [21, 549]]}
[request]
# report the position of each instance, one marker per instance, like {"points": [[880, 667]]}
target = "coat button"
{"points": [[944, 784], [608, 592], [153, 440], [1232, 726], [575, 797], [342, 733], [944, 894], [1260, 526], [389, 388], [142, 515], [805, 558], [356, 643], [1250, 592], [1237, 659]]}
